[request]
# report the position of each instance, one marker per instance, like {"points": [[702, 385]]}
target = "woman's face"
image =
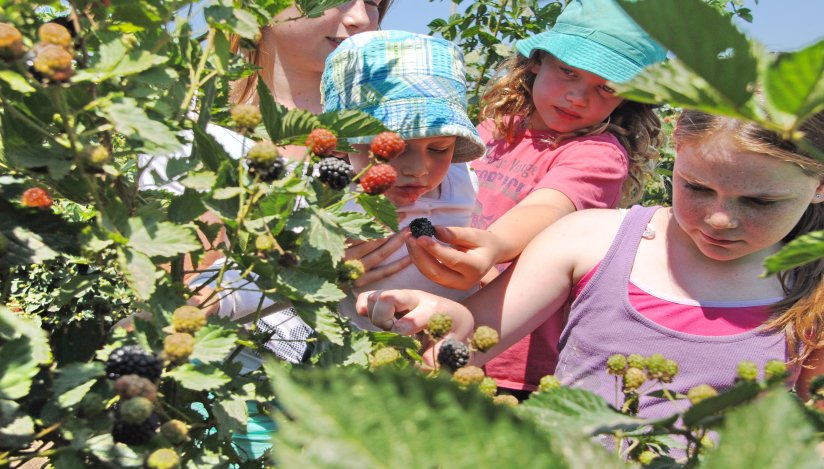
{"points": [[305, 43], [733, 202], [421, 167]]}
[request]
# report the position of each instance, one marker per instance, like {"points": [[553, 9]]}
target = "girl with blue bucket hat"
{"points": [[416, 86], [558, 140]]}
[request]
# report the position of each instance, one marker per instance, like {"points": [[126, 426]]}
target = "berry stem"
{"points": [[669, 396]]}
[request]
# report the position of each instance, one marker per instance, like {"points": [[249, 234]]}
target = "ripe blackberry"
{"points": [[334, 173], [388, 145], [775, 368], [246, 117], [549, 382], [747, 371], [453, 354], [163, 459], [633, 379], [188, 319], [322, 142], [135, 434], [385, 356], [698, 393], [53, 33], [468, 375], [507, 399], [265, 162], [422, 227], [11, 42], [36, 197], [178, 346], [484, 338], [133, 360], [54, 63], [617, 364], [350, 271], [488, 386], [378, 179], [288, 259], [439, 325], [175, 431]]}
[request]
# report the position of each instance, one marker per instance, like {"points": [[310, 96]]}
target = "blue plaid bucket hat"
{"points": [[414, 84]]}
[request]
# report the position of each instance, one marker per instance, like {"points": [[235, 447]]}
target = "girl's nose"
{"points": [[355, 15], [577, 96], [721, 220]]}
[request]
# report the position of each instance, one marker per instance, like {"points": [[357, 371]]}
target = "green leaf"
{"points": [[577, 409], [114, 455], [227, 192], [350, 124], [315, 8], [186, 208], [308, 287], [663, 20], [57, 160], [323, 234], [361, 227], [75, 395], [737, 395], [232, 20], [131, 120], [319, 317], [295, 126], [75, 374], [379, 207], [271, 111], [390, 339], [209, 151], [16, 81], [34, 235], [232, 416], [139, 272], [354, 350], [222, 53], [404, 420], [213, 343], [201, 180], [17, 368], [799, 251], [199, 377], [161, 239], [772, 433], [794, 84], [13, 326], [115, 59], [75, 287], [17, 433]]}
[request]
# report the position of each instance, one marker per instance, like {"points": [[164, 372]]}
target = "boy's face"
{"points": [[421, 167]]}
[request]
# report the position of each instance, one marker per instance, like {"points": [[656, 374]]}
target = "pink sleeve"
{"points": [[590, 172]]}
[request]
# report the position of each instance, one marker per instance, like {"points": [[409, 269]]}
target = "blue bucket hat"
{"points": [[599, 37], [414, 84]]}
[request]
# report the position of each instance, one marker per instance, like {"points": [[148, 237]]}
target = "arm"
{"points": [[475, 252], [812, 367]]}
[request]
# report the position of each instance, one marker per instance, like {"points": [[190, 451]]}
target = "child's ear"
{"points": [[536, 67]]}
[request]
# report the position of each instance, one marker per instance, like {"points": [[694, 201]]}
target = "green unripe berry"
{"points": [[488, 386], [698, 393], [263, 153], [91, 404], [707, 443], [506, 399], [646, 458], [175, 431], [385, 356], [439, 325], [188, 319], [136, 410], [468, 375], [634, 378], [670, 370], [775, 368], [178, 347], [549, 382], [636, 361], [656, 365], [350, 271], [246, 117], [263, 243], [617, 364], [163, 459], [747, 371], [484, 338]]}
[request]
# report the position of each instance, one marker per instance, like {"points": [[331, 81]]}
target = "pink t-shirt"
{"points": [[588, 170]]}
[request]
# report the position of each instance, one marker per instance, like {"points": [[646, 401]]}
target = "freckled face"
{"points": [[567, 98], [421, 167], [733, 203]]}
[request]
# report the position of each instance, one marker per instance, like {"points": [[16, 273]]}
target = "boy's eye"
{"points": [[439, 151], [567, 71]]}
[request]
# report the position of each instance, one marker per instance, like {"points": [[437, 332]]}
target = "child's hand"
{"points": [[416, 307], [372, 253], [462, 266]]}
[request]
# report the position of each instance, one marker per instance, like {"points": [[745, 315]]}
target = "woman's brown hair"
{"points": [[243, 90], [635, 125], [799, 314]]}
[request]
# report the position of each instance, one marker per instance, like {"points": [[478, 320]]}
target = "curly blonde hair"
{"points": [[635, 125]]}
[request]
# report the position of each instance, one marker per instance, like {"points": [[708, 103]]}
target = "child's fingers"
{"points": [[429, 266], [380, 306], [372, 253], [382, 272], [457, 236]]}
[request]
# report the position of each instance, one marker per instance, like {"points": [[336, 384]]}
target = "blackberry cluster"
{"points": [[268, 171], [453, 354], [633, 379], [617, 364], [133, 360], [175, 431], [775, 368], [135, 433], [422, 227], [334, 173]]}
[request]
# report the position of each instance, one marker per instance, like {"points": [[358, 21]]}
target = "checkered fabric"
{"points": [[414, 84]]}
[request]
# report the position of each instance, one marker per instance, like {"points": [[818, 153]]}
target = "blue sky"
{"points": [[783, 25]]}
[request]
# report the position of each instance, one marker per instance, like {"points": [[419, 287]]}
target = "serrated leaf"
{"points": [[131, 120], [67, 460], [800, 251], [227, 192], [341, 416], [794, 84], [57, 160], [295, 126], [232, 416], [139, 272], [34, 235], [16, 81], [116, 455], [737, 395], [379, 207], [308, 287], [731, 75], [323, 234], [199, 377], [772, 433], [354, 350], [17, 433], [271, 111], [361, 227], [13, 326], [314, 8], [213, 343], [161, 239], [351, 124], [17, 368], [186, 208], [115, 59], [201, 180], [75, 395], [75, 374], [390, 339], [209, 151], [232, 20], [319, 317], [75, 287]]}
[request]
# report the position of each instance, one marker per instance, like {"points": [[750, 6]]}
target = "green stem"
{"points": [[195, 74], [672, 399]]}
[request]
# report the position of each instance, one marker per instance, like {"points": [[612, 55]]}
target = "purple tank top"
{"points": [[602, 323]]}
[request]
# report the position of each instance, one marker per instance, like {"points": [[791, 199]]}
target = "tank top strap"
{"points": [[614, 272]]}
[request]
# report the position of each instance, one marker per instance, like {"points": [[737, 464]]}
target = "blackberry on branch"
{"points": [[775, 368], [439, 325], [488, 386], [747, 371], [188, 319], [453, 354], [468, 375], [484, 338], [422, 227], [334, 173], [135, 410], [388, 146], [175, 431], [135, 433], [265, 162], [507, 399], [133, 360], [617, 364], [322, 142], [549, 382]]}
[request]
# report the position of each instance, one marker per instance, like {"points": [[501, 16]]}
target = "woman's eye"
{"points": [[762, 202], [695, 188]]}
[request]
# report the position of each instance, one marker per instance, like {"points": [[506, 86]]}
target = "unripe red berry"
{"points": [[36, 197], [54, 63], [11, 42], [378, 179], [53, 33], [388, 145], [322, 142]]}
